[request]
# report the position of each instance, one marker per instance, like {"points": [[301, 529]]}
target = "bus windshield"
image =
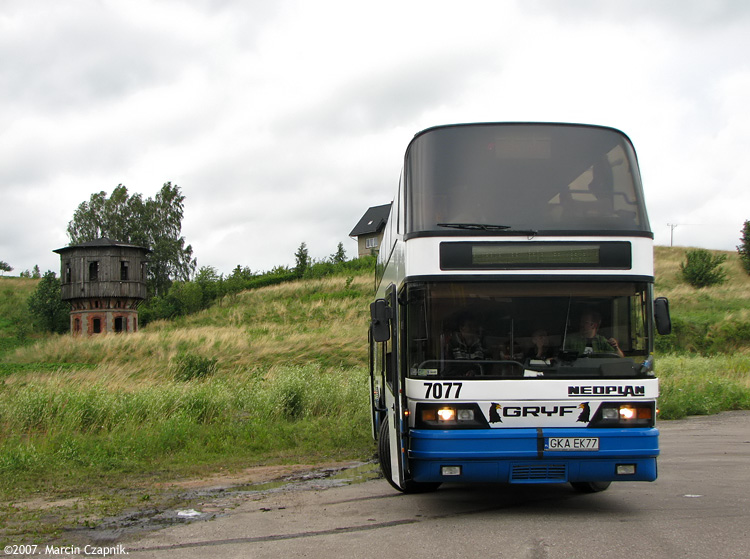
{"points": [[528, 329], [533, 178]]}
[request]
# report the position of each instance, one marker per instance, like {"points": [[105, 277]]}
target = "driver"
{"points": [[466, 343], [588, 340]]}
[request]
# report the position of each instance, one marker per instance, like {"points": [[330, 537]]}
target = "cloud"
{"points": [[283, 121]]}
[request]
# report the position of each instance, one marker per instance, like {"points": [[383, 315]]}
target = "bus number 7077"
{"points": [[516, 266]]}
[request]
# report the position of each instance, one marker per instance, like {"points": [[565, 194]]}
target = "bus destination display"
{"points": [[546, 255]]}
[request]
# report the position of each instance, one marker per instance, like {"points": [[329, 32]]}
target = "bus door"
{"points": [[390, 399], [376, 384]]}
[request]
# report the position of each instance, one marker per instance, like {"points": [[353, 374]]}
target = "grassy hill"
{"points": [[14, 316], [298, 323], [709, 320], [279, 376]]}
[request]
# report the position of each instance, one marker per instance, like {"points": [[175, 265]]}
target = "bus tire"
{"points": [[384, 457], [590, 486]]}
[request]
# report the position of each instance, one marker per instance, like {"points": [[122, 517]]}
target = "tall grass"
{"points": [[76, 431], [275, 375], [697, 385]]}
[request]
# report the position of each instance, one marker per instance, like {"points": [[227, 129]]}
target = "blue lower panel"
{"points": [[519, 455]]}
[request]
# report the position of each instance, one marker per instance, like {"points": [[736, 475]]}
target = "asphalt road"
{"points": [[699, 507]]}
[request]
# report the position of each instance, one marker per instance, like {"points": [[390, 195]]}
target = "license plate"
{"points": [[572, 443]]}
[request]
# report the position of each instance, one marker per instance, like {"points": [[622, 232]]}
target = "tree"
{"points": [[302, 259], [5, 267], [153, 223], [339, 257], [744, 247], [36, 273], [702, 268], [238, 280], [211, 284], [50, 312]]}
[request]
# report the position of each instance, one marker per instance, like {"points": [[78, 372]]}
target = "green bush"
{"points": [[50, 312], [702, 268]]}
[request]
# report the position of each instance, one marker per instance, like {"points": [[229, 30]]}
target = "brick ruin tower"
{"points": [[104, 281]]}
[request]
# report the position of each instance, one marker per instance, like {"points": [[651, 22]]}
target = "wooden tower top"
{"points": [[103, 268]]}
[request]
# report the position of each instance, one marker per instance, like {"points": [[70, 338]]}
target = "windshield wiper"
{"points": [[480, 226], [489, 227]]}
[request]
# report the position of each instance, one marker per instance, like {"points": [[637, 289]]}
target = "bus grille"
{"points": [[539, 472]]}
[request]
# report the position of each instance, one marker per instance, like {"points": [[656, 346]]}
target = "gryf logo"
{"points": [[537, 411], [585, 416], [494, 413]]}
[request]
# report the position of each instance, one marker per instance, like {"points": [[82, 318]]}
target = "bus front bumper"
{"points": [[525, 456]]}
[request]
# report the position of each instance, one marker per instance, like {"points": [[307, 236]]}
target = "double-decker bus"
{"points": [[513, 328]]}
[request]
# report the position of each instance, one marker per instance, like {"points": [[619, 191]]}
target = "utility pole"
{"points": [[671, 232]]}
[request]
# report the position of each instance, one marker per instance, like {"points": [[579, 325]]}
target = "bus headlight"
{"points": [[621, 414], [609, 413], [627, 412], [442, 416], [465, 414], [446, 414]]}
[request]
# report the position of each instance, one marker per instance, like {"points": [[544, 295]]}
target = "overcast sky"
{"points": [[283, 121]]}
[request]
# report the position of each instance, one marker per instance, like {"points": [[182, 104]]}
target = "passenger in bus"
{"points": [[588, 340], [540, 348], [466, 342]]}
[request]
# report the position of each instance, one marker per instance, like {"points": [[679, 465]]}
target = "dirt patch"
{"points": [[256, 474], [213, 496], [124, 513]]}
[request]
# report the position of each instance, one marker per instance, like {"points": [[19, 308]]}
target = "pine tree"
{"points": [[744, 247], [302, 259], [339, 257]]}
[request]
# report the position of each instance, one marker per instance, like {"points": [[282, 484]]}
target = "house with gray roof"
{"points": [[369, 230]]}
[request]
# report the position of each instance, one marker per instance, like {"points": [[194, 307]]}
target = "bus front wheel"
{"points": [[384, 457], [590, 486]]}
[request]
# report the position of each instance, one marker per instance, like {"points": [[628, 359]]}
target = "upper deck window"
{"points": [[547, 178]]}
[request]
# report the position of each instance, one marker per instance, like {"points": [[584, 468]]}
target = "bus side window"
{"points": [[388, 361]]}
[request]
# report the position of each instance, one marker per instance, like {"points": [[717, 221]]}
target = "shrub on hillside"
{"points": [[185, 298], [701, 268], [744, 247], [50, 312]]}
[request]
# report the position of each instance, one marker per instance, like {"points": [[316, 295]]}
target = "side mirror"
{"points": [[661, 316], [380, 315]]}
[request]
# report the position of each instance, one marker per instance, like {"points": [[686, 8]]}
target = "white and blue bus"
{"points": [[513, 328]]}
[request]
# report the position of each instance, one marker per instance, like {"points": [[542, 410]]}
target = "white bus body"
{"points": [[502, 235]]}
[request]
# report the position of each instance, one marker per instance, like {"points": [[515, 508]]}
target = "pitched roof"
{"points": [[373, 221], [102, 242]]}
